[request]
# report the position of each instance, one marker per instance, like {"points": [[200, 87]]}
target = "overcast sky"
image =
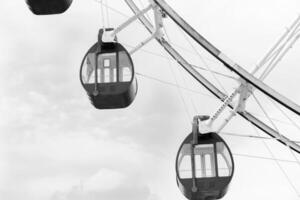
{"points": [[56, 146]]}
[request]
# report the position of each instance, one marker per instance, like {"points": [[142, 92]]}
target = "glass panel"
{"points": [[114, 75], [125, 67], [208, 165], [106, 75], [185, 169], [198, 166], [126, 74], [205, 160], [107, 64], [99, 75], [88, 69], [184, 162], [224, 160]]}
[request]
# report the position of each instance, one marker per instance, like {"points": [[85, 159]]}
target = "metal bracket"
{"points": [[198, 121], [157, 32], [226, 102], [244, 91], [131, 19], [188, 67]]}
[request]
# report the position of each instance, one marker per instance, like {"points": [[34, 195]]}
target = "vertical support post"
{"points": [[119, 68], [195, 130], [96, 92], [194, 187], [216, 160], [193, 143], [111, 74], [203, 165], [213, 163], [102, 70]]}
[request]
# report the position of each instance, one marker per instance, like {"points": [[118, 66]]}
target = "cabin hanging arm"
{"points": [[130, 20], [155, 33]]}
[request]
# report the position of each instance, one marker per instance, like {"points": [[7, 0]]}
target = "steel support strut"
{"points": [[215, 91], [157, 32], [228, 63]]}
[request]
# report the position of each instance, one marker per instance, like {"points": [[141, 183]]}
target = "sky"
{"points": [[54, 145]]}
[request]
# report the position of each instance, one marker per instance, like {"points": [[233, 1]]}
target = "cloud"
{"points": [[109, 185], [51, 164], [52, 137], [104, 179]]}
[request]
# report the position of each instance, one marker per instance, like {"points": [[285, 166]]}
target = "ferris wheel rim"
{"points": [[215, 91], [228, 63]]}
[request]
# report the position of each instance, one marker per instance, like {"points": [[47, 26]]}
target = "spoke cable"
{"points": [[203, 61], [160, 55], [264, 158], [203, 94], [188, 114], [184, 82], [286, 115], [250, 136], [292, 122], [173, 84], [186, 108], [102, 15], [269, 150], [107, 14]]}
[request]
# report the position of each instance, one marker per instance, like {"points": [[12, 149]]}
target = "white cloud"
{"points": [[52, 137], [105, 179], [107, 184]]}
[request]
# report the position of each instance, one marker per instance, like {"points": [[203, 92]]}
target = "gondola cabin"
{"points": [[48, 7], [204, 166], [107, 75]]}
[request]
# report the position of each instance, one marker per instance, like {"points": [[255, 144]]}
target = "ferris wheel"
{"points": [[204, 162]]}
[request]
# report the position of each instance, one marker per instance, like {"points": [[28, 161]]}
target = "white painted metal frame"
{"points": [[131, 19], [156, 33], [269, 61], [239, 109], [279, 50], [228, 63]]}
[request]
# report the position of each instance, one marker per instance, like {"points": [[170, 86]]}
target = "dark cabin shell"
{"points": [[48, 7], [114, 85], [209, 177]]}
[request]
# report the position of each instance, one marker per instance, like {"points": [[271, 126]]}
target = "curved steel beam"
{"points": [[227, 61], [215, 91]]}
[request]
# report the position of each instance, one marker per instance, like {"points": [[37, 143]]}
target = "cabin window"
{"points": [[205, 160], [125, 67], [184, 162], [106, 62], [107, 65], [224, 160]]}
